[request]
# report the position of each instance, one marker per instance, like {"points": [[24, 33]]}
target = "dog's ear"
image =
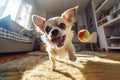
{"points": [[39, 22], [70, 14]]}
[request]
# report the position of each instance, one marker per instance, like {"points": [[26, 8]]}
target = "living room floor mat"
{"points": [[36, 67]]}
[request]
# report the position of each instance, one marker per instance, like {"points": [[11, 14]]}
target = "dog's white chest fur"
{"points": [[55, 52], [62, 53]]}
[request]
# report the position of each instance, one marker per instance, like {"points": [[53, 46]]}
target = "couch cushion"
{"points": [[26, 32], [4, 22], [9, 24], [12, 35]]}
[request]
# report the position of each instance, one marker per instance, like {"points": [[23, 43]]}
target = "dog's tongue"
{"points": [[59, 41]]}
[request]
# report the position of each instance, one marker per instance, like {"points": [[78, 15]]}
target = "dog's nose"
{"points": [[55, 32]]}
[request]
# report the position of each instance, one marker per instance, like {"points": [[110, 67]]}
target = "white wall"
{"points": [[81, 18], [40, 11], [52, 15]]}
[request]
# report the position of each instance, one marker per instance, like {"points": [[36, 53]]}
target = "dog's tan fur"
{"points": [[68, 18]]}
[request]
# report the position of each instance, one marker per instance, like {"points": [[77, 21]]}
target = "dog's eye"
{"points": [[48, 29], [62, 25]]}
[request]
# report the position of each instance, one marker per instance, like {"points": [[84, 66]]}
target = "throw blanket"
{"points": [[12, 35]]}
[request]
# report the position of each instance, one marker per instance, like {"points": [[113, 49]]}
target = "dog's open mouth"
{"points": [[59, 41]]}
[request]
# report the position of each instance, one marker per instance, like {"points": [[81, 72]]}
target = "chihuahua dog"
{"points": [[57, 35]]}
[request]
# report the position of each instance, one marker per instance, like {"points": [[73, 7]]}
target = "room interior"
{"points": [[21, 45]]}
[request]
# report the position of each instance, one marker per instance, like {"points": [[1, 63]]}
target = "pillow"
{"points": [[4, 22], [9, 24], [15, 27], [27, 33]]}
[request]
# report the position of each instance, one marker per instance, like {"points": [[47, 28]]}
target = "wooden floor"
{"points": [[11, 57], [113, 55]]}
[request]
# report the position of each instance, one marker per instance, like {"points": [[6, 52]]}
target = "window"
{"points": [[25, 15], [12, 8], [19, 10], [3, 4]]}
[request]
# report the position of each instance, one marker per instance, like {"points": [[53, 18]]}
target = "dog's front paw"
{"points": [[53, 67], [72, 57]]}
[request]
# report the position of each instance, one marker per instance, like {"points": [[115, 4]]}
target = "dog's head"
{"points": [[57, 30]]}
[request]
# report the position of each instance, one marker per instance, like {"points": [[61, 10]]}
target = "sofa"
{"points": [[14, 37]]}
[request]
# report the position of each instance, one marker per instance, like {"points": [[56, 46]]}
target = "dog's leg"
{"points": [[71, 54], [52, 59]]}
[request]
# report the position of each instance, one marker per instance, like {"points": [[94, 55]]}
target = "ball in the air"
{"points": [[83, 35]]}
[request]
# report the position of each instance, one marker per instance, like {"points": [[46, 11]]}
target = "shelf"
{"points": [[111, 14], [113, 47], [111, 22], [113, 38], [107, 25], [114, 12], [107, 4], [97, 3], [101, 6], [102, 19]]}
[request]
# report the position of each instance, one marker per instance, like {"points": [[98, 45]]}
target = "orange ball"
{"points": [[83, 35]]}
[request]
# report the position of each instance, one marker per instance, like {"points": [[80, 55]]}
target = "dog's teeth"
{"points": [[59, 41]]}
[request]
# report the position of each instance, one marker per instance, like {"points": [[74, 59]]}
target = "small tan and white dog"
{"points": [[57, 34]]}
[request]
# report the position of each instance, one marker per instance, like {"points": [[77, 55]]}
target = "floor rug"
{"points": [[36, 67]]}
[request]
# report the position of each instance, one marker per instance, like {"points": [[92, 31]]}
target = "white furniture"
{"points": [[108, 27], [92, 40]]}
